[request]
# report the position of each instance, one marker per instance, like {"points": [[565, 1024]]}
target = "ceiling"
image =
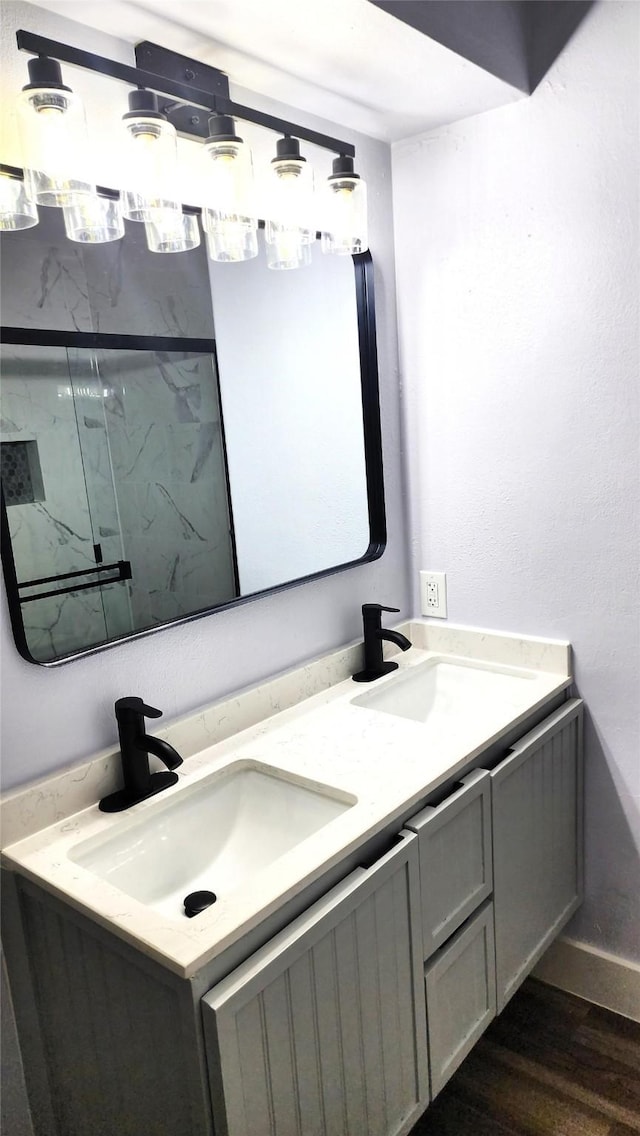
{"points": [[345, 60]]}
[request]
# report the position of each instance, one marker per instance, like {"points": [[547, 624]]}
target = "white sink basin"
{"points": [[212, 836], [439, 690]]}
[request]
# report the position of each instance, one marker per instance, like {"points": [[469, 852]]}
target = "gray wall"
{"points": [[517, 269], [51, 717]]}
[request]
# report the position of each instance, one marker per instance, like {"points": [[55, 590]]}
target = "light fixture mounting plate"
{"points": [[191, 121], [180, 68]]}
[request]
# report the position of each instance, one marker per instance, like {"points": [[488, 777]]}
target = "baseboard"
{"points": [[589, 973]]}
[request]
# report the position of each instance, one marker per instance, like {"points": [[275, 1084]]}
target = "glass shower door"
{"points": [[50, 510], [163, 453], [91, 395]]}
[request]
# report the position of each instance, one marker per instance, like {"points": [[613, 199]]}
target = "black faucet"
{"points": [[135, 747], [374, 635]]}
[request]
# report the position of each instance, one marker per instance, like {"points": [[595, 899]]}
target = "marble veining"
{"points": [[304, 724], [43, 278], [187, 396], [134, 291]]}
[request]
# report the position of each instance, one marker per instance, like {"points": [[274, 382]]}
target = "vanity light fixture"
{"points": [[53, 134], [345, 226], [17, 210], [150, 159], [229, 214], [175, 95], [289, 229]]}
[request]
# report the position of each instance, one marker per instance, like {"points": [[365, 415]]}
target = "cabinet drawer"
{"points": [[323, 1031], [461, 996], [456, 873]]}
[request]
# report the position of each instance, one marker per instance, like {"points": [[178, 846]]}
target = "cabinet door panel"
{"points": [[305, 1046], [461, 996], [349, 972], [537, 843], [323, 1031], [455, 858]]}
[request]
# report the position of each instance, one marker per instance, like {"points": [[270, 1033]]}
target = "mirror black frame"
{"points": [[363, 267]]}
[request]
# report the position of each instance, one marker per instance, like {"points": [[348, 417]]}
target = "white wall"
{"points": [[517, 275], [51, 717]]}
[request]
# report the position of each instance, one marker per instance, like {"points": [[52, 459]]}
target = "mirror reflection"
{"points": [[111, 474], [176, 434]]}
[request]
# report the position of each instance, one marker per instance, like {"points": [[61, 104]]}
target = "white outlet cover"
{"points": [[433, 594]]}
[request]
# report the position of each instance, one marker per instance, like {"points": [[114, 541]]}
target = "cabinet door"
{"points": [[323, 1032], [454, 840], [537, 843], [461, 996]]}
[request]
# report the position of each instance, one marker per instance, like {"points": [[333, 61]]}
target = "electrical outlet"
{"points": [[433, 594]]}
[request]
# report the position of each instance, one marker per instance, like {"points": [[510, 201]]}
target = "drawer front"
{"points": [[461, 996], [323, 1031], [537, 843], [456, 873]]}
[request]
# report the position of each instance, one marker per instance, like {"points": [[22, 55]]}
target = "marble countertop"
{"points": [[305, 725]]}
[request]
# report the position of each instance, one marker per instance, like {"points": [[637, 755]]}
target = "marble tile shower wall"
{"points": [[121, 288], [148, 480], [163, 425], [53, 535]]}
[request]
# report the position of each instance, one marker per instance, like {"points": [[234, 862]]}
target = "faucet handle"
{"points": [[377, 607], [151, 712], [135, 705]]}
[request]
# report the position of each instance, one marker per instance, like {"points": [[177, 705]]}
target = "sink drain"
{"points": [[198, 901]]}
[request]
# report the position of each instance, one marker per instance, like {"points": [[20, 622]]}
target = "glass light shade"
{"points": [[150, 158], [345, 222], [229, 241], [55, 144], [17, 210], [93, 219], [172, 231], [287, 249], [229, 215], [290, 203]]}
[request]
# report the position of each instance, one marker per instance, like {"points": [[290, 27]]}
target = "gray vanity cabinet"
{"points": [[537, 843], [323, 1030], [500, 875], [353, 1016]]}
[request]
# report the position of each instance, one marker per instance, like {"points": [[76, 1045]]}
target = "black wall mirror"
{"points": [[177, 436]]}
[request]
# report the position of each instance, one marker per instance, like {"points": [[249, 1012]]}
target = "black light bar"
{"points": [[190, 122]]}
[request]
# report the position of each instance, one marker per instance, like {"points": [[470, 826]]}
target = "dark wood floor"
{"points": [[550, 1065]]}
